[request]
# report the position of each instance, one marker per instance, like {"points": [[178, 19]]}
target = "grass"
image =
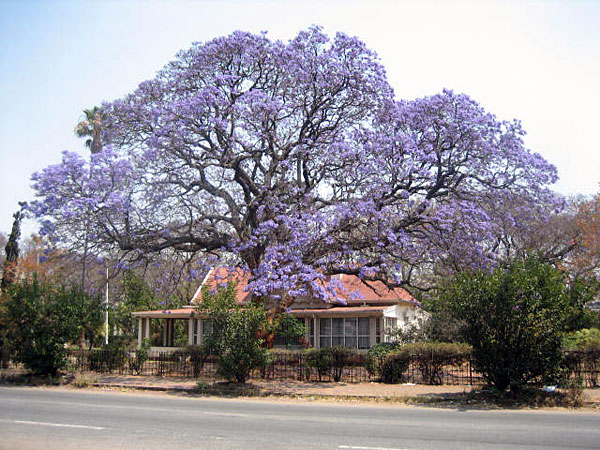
{"points": [[83, 380]]}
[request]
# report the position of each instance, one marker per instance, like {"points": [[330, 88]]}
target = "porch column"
{"points": [[191, 331], [373, 331], [147, 323], [140, 331], [171, 341], [307, 329], [317, 333]]}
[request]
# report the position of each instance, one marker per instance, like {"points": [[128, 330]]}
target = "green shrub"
{"points": [[394, 367], [108, 359], [588, 337], [140, 357], [376, 356], [431, 357], [514, 318], [236, 333], [39, 319], [321, 360], [197, 356], [585, 358], [340, 358]]}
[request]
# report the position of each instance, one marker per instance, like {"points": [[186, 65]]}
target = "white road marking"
{"points": [[357, 447], [208, 413], [64, 425]]}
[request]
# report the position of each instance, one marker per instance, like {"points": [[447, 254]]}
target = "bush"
{"points": [[236, 333], [39, 319], [376, 356], [340, 357], [197, 356], [577, 340], [583, 359], [431, 357], [514, 318], [140, 357], [394, 366], [321, 360]]}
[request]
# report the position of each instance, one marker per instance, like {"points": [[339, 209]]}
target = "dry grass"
{"points": [[83, 380]]}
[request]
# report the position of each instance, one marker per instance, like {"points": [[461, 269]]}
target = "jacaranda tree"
{"points": [[297, 160]]}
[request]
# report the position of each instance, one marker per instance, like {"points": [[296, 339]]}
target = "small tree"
{"points": [[514, 318], [39, 320], [236, 330]]}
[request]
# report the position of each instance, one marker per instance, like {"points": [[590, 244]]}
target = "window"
{"points": [[207, 327], [390, 325], [311, 332], [195, 335], [350, 332]]}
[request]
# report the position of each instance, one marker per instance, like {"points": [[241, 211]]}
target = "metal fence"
{"points": [[288, 365], [584, 366]]}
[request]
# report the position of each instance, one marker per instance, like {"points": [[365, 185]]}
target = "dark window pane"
{"points": [[364, 328], [337, 340], [350, 327], [325, 327], [207, 327], [325, 342], [338, 327], [363, 342], [351, 341]]}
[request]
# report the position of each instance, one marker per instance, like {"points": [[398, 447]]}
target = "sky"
{"points": [[537, 61]]}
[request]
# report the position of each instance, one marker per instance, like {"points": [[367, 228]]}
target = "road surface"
{"points": [[33, 418]]}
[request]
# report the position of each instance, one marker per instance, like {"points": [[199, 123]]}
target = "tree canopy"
{"points": [[295, 160], [515, 318]]}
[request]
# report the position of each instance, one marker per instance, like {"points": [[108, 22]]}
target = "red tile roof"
{"points": [[340, 311], [354, 291], [357, 291], [220, 276]]}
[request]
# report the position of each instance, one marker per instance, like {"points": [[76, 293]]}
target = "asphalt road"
{"points": [[61, 419]]}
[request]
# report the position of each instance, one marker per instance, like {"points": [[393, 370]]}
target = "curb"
{"points": [[140, 387], [307, 396], [424, 400]]}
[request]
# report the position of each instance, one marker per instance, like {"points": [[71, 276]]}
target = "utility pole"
{"points": [[106, 312]]}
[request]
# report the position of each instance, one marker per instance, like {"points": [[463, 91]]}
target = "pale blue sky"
{"points": [[538, 61]]}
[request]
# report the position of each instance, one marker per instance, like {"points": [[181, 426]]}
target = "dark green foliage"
{"points": [[394, 366], [40, 319], [288, 330], [236, 330], [196, 355], [111, 358], [442, 325], [320, 360], [376, 356], [12, 249], [140, 356], [431, 357], [581, 291], [85, 313], [514, 318], [340, 357], [137, 297]]}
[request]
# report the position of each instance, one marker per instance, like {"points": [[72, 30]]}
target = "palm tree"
{"points": [[91, 127]]}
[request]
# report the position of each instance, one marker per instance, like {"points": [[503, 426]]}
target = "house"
{"points": [[362, 313]]}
